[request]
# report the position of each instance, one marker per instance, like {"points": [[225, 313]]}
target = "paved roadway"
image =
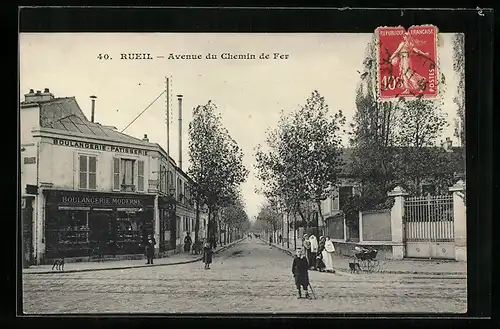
{"points": [[249, 277]]}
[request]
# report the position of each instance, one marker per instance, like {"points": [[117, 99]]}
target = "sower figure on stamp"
{"points": [[300, 272]]}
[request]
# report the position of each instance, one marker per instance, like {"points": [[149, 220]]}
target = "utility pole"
{"points": [[167, 109]]}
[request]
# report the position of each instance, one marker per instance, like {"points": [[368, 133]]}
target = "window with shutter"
{"points": [[87, 172], [140, 175], [92, 173], [179, 189], [116, 174], [83, 171], [127, 172]]}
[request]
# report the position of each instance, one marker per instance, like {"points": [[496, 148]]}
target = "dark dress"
{"points": [[300, 269], [319, 262], [150, 250], [187, 243], [207, 255]]}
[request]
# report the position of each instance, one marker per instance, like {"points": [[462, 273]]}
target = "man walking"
{"points": [[150, 249], [300, 269]]}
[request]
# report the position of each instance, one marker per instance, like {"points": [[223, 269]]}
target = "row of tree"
{"points": [[302, 159], [216, 166]]}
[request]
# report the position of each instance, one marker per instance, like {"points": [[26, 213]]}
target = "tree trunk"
{"points": [[209, 225], [288, 230], [294, 231], [320, 215], [197, 223]]}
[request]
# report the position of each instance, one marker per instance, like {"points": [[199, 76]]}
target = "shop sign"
{"points": [[99, 146], [99, 200]]}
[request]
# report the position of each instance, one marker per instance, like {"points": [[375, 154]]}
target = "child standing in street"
{"points": [[207, 255], [300, 269]]}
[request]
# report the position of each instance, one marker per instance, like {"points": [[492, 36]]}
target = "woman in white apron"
{"points": [[328, 255]]}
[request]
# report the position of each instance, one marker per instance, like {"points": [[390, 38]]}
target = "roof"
{"points": [[457, 156], [66, 115]]}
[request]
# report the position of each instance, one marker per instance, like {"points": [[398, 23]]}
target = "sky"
{"points": [[249, 94]]}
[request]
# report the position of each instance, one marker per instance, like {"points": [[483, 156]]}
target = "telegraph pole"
{"points": [[167, 110]]}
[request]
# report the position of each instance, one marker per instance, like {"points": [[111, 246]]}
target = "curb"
{"points": [[345, 271], [133, 266]]}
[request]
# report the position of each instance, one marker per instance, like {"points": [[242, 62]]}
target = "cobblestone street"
{"points": [[249, 277]]}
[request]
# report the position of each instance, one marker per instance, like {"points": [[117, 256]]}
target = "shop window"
{"points": [[88, 172], [67, 233]]}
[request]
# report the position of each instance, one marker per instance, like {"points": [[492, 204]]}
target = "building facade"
{"points": [[88, 188]]}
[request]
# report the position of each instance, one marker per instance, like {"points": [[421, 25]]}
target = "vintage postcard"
{"points": [[243, 172]]}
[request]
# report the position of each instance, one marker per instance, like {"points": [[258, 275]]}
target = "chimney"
{"points": [[179, 97], [33, 97], [146, 139], [92, 99]]}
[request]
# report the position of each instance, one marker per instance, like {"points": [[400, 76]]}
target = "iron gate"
{"points": [[429, 227]]}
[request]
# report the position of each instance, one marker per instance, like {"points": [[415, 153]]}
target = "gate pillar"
{"points": [[459, 220], [397, 229]]}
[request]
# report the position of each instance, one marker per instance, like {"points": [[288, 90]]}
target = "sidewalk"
{"points": [[405, 266], [176, 259]]}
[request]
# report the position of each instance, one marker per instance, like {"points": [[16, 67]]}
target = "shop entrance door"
{"points": [[27, 224], [100, 232]]}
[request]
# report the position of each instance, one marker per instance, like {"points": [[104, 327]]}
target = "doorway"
{"points": [[100, 231]]}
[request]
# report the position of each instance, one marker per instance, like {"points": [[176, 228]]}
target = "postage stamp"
{"points": [[407, 63]]}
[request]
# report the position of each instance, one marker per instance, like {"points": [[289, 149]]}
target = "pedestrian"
{"points": [[150, 249], [270, 239], [306, 245], [321, 244], [300, 273], [328, 255], [280, 238], [207, 255], [187, 242], [320, 265], [314, 251]]}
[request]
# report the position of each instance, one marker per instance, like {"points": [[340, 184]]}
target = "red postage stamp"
{"points": [[407, 63]]}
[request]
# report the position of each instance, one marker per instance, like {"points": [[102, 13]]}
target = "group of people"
{"points": [[319, 254], [313, 255]]}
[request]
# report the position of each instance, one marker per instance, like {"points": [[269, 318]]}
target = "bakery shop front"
{"points": [[80, 224]]}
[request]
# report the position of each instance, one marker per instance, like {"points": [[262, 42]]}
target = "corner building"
{"points": [[94, 187]]}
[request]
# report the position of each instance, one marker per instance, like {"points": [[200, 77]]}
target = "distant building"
{"points": [[86, 186]]}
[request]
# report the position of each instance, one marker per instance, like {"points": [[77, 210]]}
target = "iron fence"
{"points": [[429, 218]]}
